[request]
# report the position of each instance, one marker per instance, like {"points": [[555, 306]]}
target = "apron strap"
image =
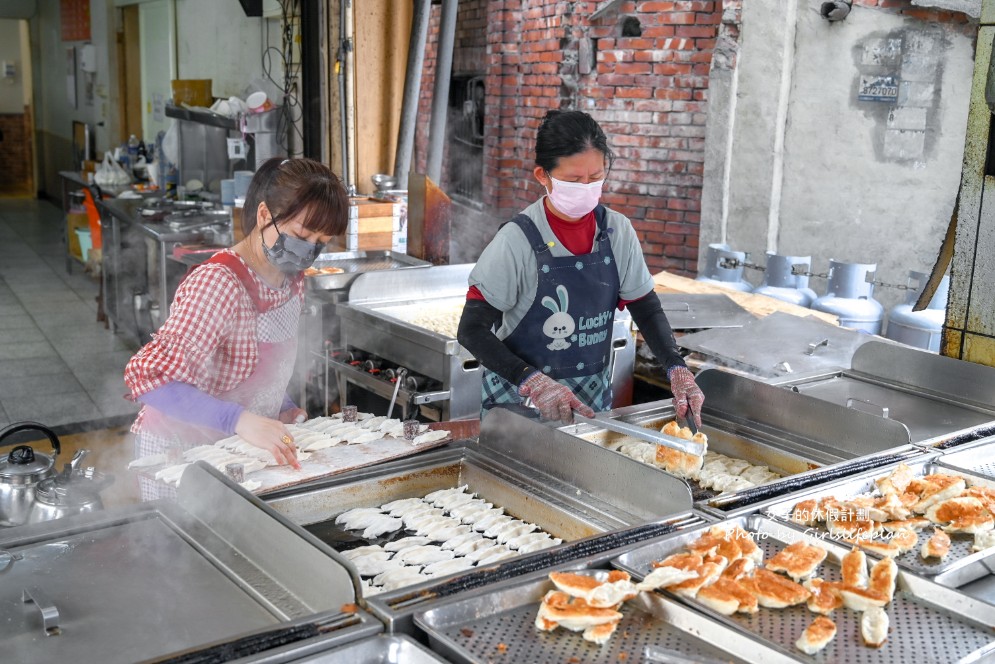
{"points": [[241, 271], [532, 233]]}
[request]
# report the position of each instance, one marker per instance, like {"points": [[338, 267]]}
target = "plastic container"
{"points": [[85, 242], [258, 102]]}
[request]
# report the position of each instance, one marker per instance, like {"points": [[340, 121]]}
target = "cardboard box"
{"points": [[74, 221]]}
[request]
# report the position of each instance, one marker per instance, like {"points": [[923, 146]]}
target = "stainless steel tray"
{"points": [[961, 565], [498, 625], [778, 345], [355, 263], [929, 623], [383, 649], [216, 571], [977, 458]]}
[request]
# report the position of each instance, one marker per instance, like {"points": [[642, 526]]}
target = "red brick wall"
{"points": [[649, 93], [15, 154]]}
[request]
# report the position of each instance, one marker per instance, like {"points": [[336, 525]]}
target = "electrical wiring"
{"points": [[292, 113]]}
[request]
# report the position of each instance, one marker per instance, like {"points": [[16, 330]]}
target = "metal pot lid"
{"points": [[74, 493], [23, 465]]}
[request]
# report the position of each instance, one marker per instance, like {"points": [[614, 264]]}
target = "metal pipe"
{"points": [[412, 90], [344, 47], [440, 95]]}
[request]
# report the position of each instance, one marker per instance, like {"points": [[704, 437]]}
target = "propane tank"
{"points": [[782, 283], [922, 329], [849, 296], [717, 271]]}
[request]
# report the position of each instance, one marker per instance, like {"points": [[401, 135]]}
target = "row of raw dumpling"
{"points": [[474, 532], [427, 517]]}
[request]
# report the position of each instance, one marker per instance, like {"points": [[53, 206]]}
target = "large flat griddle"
{"points": [[162, 578]]}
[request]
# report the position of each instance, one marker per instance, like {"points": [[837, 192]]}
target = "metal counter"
{"points": [[136, 263]]}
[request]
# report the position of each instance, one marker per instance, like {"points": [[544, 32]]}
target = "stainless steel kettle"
{"points": [[70, 492], [21, 471]]}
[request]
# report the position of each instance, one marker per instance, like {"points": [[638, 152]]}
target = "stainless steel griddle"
{"points": [[575, 492], [938, 398], [217, 570], [806, 440], [928, 622], [378, 319]]}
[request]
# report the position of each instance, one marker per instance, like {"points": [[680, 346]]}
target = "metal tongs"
{"points": [[642, 433]]}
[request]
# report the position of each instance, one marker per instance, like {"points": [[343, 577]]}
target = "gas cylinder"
{"points": [[849, 296], [922, 329], [782, 283], [717, 272]]}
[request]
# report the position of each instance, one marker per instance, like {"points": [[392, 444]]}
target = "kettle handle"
{"points": [[27, 426]]}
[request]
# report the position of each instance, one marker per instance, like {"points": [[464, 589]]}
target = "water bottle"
{"points": [[133, 143]]}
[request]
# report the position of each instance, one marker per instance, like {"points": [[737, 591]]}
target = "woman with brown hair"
{"points": [[221, 362]]}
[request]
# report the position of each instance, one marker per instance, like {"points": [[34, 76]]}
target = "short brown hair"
{"points": [[290, 186]]}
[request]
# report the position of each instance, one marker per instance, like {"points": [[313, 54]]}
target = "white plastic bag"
{"points": [[105, 174]]}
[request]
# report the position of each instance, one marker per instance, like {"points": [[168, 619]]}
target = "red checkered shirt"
{"points": [[210, 338]]}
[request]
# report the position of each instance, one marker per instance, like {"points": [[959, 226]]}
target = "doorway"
{"points": [[17, 130]]}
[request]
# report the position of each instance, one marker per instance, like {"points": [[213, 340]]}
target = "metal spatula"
{"points": [[642, 433]]}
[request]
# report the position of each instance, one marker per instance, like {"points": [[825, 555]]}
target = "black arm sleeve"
{"points": [[655, 328], [476, 335]]}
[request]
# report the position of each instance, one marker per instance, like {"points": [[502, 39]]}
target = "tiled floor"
{"points": [[58, 365]]}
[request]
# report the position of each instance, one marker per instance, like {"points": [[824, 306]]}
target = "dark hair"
{"points": [[289, 186], [566, 133]]}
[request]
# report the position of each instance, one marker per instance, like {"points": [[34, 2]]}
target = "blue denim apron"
{"points": [[567, 333]]}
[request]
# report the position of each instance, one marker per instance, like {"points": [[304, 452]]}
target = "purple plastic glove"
{"points": [[555, 401], [686, 394]]}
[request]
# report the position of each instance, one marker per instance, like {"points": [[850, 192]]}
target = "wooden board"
{"points": [[758, 305]]}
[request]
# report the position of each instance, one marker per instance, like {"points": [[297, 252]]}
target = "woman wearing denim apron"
{"points": [[544, 292]]}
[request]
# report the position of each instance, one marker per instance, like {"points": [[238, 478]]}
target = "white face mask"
{"points": [[575, 199]]}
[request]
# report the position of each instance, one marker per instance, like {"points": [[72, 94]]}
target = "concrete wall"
{"points": [[11, 90], [216, 40], [809, 168]]}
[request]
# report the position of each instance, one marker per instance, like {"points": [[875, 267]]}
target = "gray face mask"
{"points": [[291, 255]]}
